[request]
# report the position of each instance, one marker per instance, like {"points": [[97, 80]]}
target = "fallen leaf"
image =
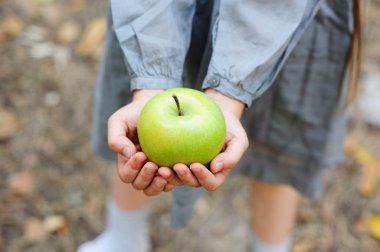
{"points": [[68, 32], [361, 226], [52, 13], [9, 124], [349, 144], [303, 246], [12, 25], [374, 226], [55, 224], [42, 2], [362, 155], [22, 183], [10, 28], [92, 41], [305, 215], [370, 167], [34, 230], [77, 5], [369, 178]]}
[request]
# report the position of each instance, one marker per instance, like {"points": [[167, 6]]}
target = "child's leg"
{"points": [[274, 209], [127, 228], [126, 197]]}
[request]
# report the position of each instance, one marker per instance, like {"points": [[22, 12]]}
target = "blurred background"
{"points": [[53, 188]]}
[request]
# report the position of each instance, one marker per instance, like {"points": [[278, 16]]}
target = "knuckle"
{"points": [[146, 174], [111, 119], [135, 165], [234, 163], [138, 186], [123, 175], [170, 176], [211, 187], [158, 184], [201, 174], [148, 192], [112, 143], [230, 163]]}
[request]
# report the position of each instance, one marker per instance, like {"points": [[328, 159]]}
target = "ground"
{"points": [[53, 187]]}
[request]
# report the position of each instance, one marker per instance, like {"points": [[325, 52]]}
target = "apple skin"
{"points": [[168, 138]]}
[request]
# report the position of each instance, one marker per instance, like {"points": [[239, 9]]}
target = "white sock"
{"points": [[260, 246], [125, 231]]}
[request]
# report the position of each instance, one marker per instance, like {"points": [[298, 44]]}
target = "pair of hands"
{"points": [[134, 167]]}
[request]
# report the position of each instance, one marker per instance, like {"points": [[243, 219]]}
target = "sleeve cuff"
{"points": [[154, 82], [229, 89]]}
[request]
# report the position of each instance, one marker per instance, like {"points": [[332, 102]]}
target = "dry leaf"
{"points": [[68, 32], [52, 13], [55, 223], [362, 155], [9, 124], [361, 226], [369, 179], [10, 28], [34, 230], [374, 226], [77, 5], [12, 25], [370, 168], [22, 183], [92, 40], [42, 2], [349, 144], [303, 246]]}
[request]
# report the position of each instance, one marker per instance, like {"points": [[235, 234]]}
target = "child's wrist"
{"points": [[226, 103]]}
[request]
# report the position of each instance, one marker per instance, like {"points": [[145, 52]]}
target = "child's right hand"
{"points": [[132, 164]]}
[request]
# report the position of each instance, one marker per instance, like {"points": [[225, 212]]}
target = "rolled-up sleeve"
{"points": [[154, 36], [251, 39]]}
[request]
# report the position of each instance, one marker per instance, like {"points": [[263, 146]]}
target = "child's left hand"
{"points": [[197, 175]]}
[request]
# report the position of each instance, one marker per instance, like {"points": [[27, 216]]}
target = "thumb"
{"points": [[228, 159], [117, 137]]}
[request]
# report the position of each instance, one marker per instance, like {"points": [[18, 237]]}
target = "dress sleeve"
{"points": [[154, 37], [251, 39]]}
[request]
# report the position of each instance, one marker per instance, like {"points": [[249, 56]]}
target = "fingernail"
{"points": [[218, 167], [127, 152]]}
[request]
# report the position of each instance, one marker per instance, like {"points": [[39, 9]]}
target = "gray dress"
{"points": [[284, 61]]}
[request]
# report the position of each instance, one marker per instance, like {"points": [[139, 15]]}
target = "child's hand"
{"points": [[132, 164], [235, 145], [133, 167]]}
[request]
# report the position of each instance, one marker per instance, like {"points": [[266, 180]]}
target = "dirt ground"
{"points": [[53, 188]]}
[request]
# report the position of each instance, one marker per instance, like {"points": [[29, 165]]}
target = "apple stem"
{"points": [[177, 103]]}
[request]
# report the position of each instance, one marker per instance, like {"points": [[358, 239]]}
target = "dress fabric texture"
{"points": [[286, 67]]}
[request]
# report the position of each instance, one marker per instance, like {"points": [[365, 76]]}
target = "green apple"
{"points": [[181, 125]]}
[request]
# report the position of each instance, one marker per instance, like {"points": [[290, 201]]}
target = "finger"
{"points": [[228, 159], [170, 176], [185, 175], [156, 187], [129, 170], [145, 176], [205, 177], [117, 134], [168, 188]]}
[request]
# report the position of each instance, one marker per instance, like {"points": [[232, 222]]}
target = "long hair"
{"points": [[354, 55]]}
